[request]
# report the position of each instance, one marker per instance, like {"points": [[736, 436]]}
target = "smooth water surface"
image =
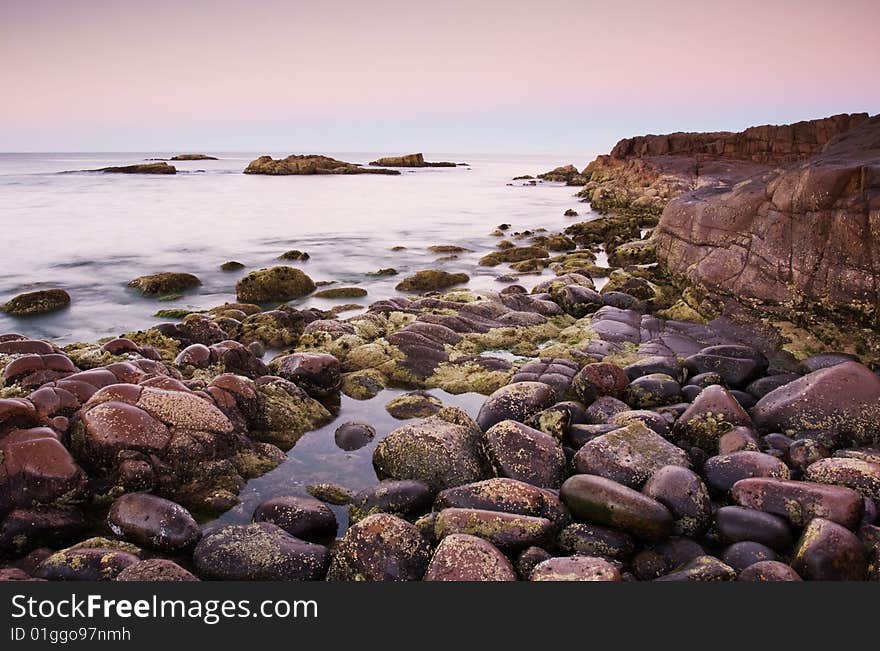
{"points": [[91, 233]]}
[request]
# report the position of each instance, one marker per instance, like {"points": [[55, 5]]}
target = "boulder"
{"points": [[275, 284], [166, 282], [436, 450], [38, 302], [769, 571], [507, 531], [736, 523], [862, 476], [505, 495], [406, 498], [594, 540], [258, 552], [840, 403], [602, 501], [381, 547], [800, 501], [575, 568], [302, 517], [319, 374], [712, 414], [462, 557], [518, 401], [155, 569], [829, 552], [681, 491], [724, 470], [599, 380], [520, 452], [153, 522], [430, 280], [629, 455]]}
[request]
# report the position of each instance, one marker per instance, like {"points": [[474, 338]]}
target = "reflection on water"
{"points": [[316, 458]]}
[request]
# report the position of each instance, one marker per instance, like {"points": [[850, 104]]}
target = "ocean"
{"points": [[91, 233]]}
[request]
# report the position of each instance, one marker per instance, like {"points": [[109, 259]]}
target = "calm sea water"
{"points": [[91, 233]]}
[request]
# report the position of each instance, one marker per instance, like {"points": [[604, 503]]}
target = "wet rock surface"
{"points": [[613, 423]]}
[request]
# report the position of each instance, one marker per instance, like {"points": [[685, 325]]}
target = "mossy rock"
{"points": [[44, 300], [274, 284], [431, 279], [342, 292], [164, 283], [294, 254], [513, 254], [231, 265]]}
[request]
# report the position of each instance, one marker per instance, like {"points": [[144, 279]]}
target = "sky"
{"points": [[478, 76]]}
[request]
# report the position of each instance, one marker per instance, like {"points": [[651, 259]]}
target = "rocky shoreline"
{"points": [[654, 426]]}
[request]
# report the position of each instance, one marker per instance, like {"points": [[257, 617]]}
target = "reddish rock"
{"points": [[461, 557], [800, 501], [829, 552]]}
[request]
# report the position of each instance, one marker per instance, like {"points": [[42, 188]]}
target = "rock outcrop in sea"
{"points": [[139, 168], [409, 160], [308, 164]]}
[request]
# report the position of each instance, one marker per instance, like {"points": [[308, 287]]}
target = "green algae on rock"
{"points": [[38, 302], [431, 279], [163, 283], [341, 292], [273, 284]]}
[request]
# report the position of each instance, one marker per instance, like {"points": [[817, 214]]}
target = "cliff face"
{"points": [[642, 174], [803, 236], [768, 144]]}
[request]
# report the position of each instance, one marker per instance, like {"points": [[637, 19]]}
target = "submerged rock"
{"points": [[416, 404]]}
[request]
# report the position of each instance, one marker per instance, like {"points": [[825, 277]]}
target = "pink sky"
{"points": [[481, 75]]}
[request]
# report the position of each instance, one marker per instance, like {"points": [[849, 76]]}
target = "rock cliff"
{"points": [[776, 216], [801, 236]]}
